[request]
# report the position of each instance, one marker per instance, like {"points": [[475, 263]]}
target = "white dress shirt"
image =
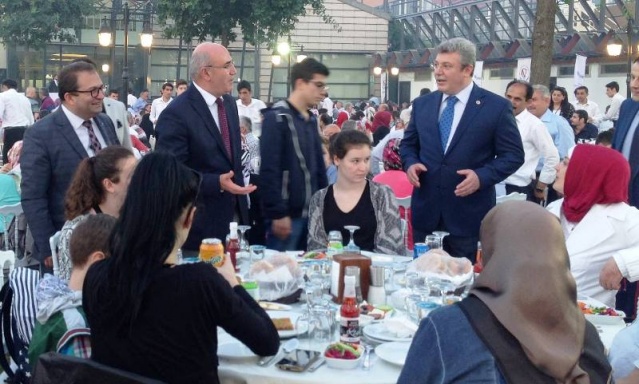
{"points": [[253, 112], [82, 132], [130, 100], [328, 104], [209, 99], [15, 109], [591, 107], [462, 100], [615, 104], [157, 106], [537, 144]]}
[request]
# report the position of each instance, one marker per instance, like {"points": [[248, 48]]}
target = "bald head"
{"points": [[212, 68]]}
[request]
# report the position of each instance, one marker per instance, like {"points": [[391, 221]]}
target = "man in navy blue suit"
{"points": [[460, 142], [201, 128]]}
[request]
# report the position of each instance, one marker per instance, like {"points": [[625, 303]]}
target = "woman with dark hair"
{"points": [[99, 185], [559, 104], [520, 322], [148, 314], [353, 200]]}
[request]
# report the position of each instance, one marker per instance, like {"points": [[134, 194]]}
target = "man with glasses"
{"points": [[54, 146], [460, 142], [292, 167], [201, 128]]}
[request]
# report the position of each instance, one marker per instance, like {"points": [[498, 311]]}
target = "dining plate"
{"points": [[379, 332], [269, 306], [600, 319], [234, 349], [393, 352], [293, 316]]}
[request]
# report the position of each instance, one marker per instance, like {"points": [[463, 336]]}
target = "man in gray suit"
{"points": [[55, 145], [117, 112]]}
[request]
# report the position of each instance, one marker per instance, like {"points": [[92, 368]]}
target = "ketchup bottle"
{"points": [[233, 244], [349, 331]]}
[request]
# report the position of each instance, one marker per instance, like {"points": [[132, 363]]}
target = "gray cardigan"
{"points": [[388, 237]]}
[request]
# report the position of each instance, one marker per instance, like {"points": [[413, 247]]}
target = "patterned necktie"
{"points": [[446, 120], [94, 144], [224, 126]]}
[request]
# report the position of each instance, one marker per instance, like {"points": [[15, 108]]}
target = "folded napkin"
{"points": [[400, 326]]}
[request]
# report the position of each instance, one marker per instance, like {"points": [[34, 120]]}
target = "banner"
{"points": [[523, 69], [478, 74], [384, 85], [580, 71]]}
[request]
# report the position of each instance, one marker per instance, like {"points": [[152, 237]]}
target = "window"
{"points": [[502, 73], [610, 69], [569, 71]]}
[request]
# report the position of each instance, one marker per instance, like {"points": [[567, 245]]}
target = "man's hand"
{"points": [[281, 227], [610, 276], [48, 262], [470, 185], [413, 173], [227, 184]]}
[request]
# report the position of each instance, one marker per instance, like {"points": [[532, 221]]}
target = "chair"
{"points": [[7, 256], [515, 196], [54, 243], [404, 216], [54, 368]]}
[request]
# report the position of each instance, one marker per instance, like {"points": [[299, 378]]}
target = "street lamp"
{"points": [[105, 37], [614, 48], [384, 72]]}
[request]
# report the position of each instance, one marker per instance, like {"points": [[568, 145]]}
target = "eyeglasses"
{"points": [[226, 66], [319, 84], [93, 91]]}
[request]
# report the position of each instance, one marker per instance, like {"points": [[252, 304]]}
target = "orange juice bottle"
{"points": [[212, 252]]}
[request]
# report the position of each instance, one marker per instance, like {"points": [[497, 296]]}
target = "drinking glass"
{"points": [[256, 252], [351, 247], [433, 242], [441, 235], [244, 244]]}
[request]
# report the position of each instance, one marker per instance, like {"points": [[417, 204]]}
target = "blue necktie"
{"points": [[446, 120]]}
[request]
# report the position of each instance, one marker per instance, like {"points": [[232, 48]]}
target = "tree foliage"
{"points": [[261, 21], [34, 23]]}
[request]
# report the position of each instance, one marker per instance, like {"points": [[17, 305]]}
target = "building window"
{"points": [[502, 73], [569, 70], [613, 69]]}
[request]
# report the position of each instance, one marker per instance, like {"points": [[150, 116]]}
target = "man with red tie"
{"points": [[201, 128]]}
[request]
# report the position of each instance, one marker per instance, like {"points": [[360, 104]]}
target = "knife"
{"points": [[287, 348], [317, 364]]}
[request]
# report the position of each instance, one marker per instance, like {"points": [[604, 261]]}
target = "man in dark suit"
{"points": [[54, 146], [202, 128], [460, 142]]}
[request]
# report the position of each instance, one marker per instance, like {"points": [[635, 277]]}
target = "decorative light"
{"points": [[276, 59], [394, 71], [377, 71], [105, 68], [614, 47], [283, 48], [104, 34]]}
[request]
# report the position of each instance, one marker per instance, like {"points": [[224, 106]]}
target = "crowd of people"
{"points": [[131, 186]]}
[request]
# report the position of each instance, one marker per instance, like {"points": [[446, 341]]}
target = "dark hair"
{"points": [[181, 82], [424, 91], [345, 140], [10, 83], [86, 190], [306, 69], [580, 88], [359, 115], [165, 85], [68, 77], [566, 107], [582, 114], [325, 119], [243, 85], [43, 92], [144, 90], [114, 90], [605, 137], [89, 236], [527, 85], [161, 189], [614, 85]]}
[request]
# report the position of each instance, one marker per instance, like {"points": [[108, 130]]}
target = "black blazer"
{"points": [[187, 129], [50, 155]]}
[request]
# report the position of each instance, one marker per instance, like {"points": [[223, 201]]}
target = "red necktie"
{"points": [[94, 144], [224, 126]]}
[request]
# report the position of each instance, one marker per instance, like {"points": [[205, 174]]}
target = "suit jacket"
{"points": [[187, 129], [51, 154], [627, 112], [118, 114], [486, 140], [606, 231]]}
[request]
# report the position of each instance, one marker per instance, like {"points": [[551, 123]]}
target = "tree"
{"points": [[542, 42]]}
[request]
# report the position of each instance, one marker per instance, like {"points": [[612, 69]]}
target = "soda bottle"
{"points": [[349, 331], [233, 244], [335, 245]]}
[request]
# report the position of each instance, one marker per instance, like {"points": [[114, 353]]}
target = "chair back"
{"points": [[8, 257], [54, 368], [515, 196], [54, 243]]}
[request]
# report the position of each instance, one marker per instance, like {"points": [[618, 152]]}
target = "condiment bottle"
{"points": [[349, 323], [233, 244]]}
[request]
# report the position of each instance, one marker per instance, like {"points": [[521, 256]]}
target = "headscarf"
{"points": [[526, 283], [341, 118], [381, 119], [14, 154], [595, 175]]}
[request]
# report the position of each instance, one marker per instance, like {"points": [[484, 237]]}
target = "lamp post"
{"points": [[615, 47], [105, 37], [284, 49], [384, 72]]}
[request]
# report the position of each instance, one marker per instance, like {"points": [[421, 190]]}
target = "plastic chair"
{"points": [[404, 216], [8, 257], [54, 242], [515, 196]]}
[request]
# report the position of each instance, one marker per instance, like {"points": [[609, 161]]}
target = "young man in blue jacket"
{"points": [[291, 152]]}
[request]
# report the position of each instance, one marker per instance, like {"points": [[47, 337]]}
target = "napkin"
{"points": [[400, 326]]}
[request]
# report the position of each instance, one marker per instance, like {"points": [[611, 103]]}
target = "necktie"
{"points": [[224, 126], [94, 144], [446, 120]]}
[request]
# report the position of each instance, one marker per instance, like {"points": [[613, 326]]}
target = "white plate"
{"points": [[394, 353], [293, 316], [234, 350], [382, 260], [378, 331], [601, 319], [269, 306]]}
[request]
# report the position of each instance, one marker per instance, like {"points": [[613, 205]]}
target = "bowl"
{"points": [[345, 363]]}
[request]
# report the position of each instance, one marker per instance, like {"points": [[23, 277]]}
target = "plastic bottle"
{"points": [[335, 245], [349, 331], [233, 244]]}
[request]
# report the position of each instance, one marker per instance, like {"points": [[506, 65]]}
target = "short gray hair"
{"points": [[247, 123], [464, 47], [199, 59], [545, 92]]}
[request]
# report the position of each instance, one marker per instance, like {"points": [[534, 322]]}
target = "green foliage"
{"points": [[34, 23], [260, 20]]}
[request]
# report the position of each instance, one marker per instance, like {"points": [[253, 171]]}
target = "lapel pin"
{"points": [[477, 102]]}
